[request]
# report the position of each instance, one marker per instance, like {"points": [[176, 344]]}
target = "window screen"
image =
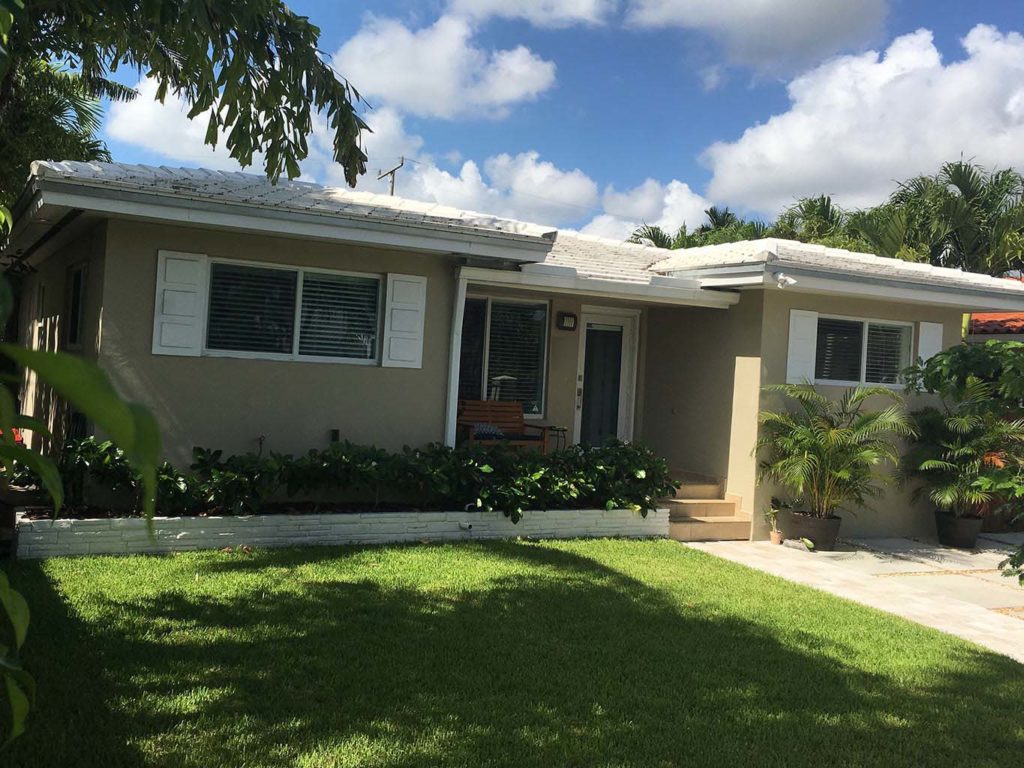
{"points": [[888, 353], [515, 354], [339, 316], [252, 309], [840, 345]]}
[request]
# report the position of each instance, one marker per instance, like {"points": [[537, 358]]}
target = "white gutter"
{"points": [[420, 236], [658, 291], [876, 287]]}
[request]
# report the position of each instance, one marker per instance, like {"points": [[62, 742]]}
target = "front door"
{"points": [[604, 383]]}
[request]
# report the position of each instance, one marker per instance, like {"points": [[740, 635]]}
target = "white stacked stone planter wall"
{"points": [[53, 538]]}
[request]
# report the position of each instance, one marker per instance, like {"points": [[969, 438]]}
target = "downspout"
{"points": [[455, 359]]}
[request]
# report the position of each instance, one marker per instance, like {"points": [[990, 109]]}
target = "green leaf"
{"points": [[16, 609], [18, 698]]}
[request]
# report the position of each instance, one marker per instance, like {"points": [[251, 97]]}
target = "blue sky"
{"points": [[600, 114]]}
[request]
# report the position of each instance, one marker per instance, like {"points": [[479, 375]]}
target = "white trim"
{"points": [[455, 360], [650, 292], [294, 356], [629, 321], [968, 297], [866, 321], [201, 211]]}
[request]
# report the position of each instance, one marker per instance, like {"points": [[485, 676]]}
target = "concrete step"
{"points": [[702, 507], [696, 486], [717, 528]]}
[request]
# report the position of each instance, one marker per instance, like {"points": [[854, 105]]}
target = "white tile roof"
{"points": [[235, 187], [819, 257], [591, 257], [603, 258]]}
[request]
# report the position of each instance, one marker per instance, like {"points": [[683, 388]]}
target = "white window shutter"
{"points": [[404, 315], [929, 340], [181, 281], [803, 344]]}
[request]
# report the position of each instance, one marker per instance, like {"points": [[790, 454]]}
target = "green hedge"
{"points": [[620, 475]]}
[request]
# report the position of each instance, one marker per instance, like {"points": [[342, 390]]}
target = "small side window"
{"points": [[75, 306]]}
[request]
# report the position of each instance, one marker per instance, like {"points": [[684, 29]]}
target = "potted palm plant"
{"points": [[827, 454], [771, 516], [969, 460]]}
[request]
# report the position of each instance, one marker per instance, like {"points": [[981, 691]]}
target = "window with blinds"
{"points": [[888, 353], [838, 354], [253, 309], [504, 348], [339, 316], [859, 351]]}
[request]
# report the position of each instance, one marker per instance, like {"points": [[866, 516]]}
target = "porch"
{"points": [[672, 366]]}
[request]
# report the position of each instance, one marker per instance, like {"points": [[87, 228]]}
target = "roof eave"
{"points": [[848, 283], [200, 211]]}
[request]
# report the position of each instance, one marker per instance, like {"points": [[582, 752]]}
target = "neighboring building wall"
{"points": [[895, 514], [45, 327], [229, 403], [702, 387]]}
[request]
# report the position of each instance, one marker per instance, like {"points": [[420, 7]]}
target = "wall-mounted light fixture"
{"points": [[566, 321]]}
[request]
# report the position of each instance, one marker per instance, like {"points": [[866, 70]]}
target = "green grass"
{"points": [[601, 653]]}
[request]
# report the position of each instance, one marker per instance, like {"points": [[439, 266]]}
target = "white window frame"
{"points": [[294, 356], [490, 298], [866, 321]]}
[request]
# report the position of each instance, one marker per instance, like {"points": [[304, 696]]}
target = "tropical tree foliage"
{"points": [[253, 66], [827, 453], [51, 114], [965, 217], [968, 457]]}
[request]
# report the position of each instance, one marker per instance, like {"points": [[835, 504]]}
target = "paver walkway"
{"points": [[955, 591]]}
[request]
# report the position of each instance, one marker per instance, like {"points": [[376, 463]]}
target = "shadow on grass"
{"points": [[568, 662]]}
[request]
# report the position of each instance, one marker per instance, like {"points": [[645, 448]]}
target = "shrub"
{"points": [[968, 457], [827, 452], [435, 477]]}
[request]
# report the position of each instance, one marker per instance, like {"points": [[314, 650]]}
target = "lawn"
{"points": [[599, 653]]}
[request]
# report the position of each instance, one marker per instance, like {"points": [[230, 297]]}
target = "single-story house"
{"points": [[248, 315]]}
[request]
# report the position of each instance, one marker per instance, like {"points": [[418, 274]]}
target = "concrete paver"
{"points": [[955, 591]]}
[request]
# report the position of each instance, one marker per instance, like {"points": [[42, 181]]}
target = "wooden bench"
{"points": [[505, 416]]}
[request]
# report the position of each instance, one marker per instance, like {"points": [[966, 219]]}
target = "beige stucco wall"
{"points": [[229, 403], [895, 514], [703, 384], [46, 330]]}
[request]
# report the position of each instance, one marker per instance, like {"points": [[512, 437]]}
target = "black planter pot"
{"points": [[822, 531], [955, 531]]}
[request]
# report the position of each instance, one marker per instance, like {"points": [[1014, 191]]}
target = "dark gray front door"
{"points": [[602, 375]]}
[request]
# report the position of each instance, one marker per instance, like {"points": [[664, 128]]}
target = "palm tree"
{"points": [[963, 217], [718, 218], [826, 452], [968, 456]]}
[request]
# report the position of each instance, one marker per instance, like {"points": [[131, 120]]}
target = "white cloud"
{"points": [[665, 205], [437, 71], [166, 130], [857, 123], [521, 186], [540, 13], [769, 36]]}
